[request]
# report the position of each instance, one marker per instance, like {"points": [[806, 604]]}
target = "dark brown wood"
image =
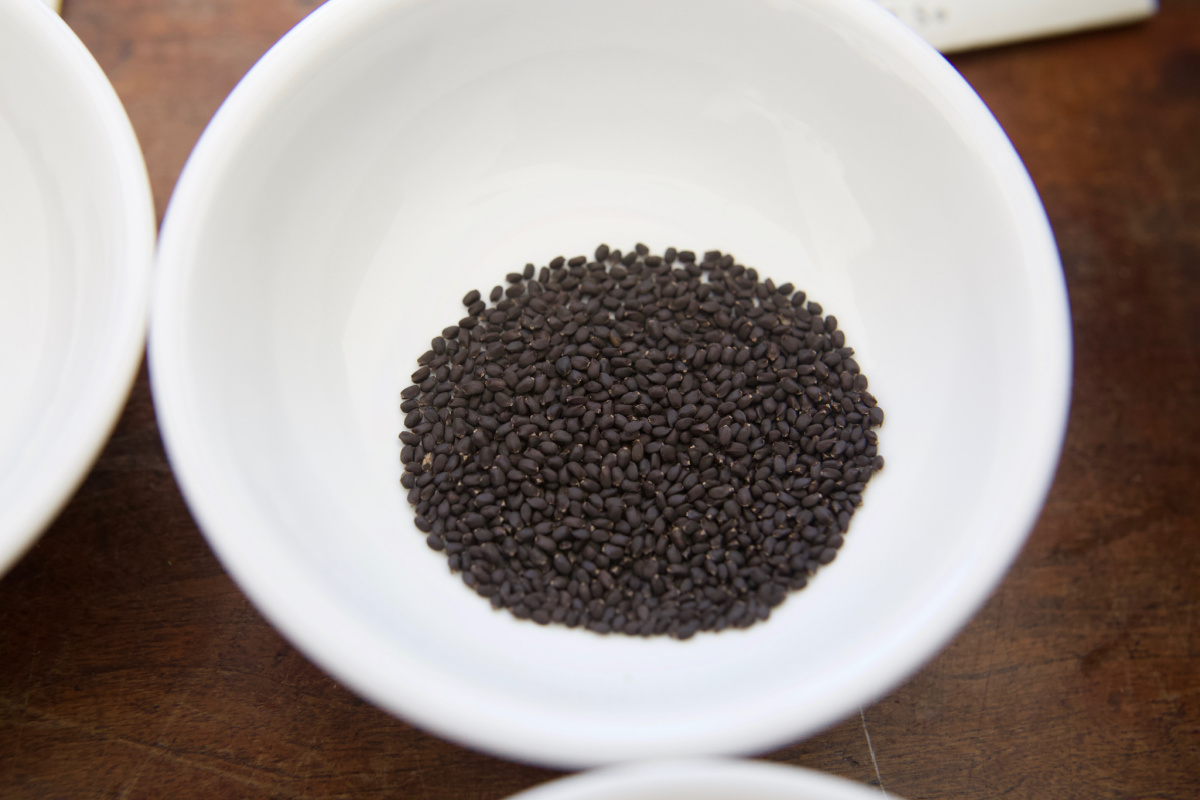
{"points": [[131, 667]]}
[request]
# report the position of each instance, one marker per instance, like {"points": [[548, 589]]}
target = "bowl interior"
{"points": [[387, 157], [76, 240]]}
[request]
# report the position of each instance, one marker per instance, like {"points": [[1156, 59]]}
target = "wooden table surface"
{"points": [[132, 667]]}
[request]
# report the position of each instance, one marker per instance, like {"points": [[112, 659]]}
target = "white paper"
{"points": [[963, 24]]}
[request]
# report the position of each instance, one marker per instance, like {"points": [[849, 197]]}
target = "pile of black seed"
{"points": [[638, 443]]}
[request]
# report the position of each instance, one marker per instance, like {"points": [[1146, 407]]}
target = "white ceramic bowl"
{"points": [[707, 779], [76, 245], [387, 156]]}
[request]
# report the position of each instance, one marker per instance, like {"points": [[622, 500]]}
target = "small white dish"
{"points": [[76, 245], [708, 779], [389, 155]]}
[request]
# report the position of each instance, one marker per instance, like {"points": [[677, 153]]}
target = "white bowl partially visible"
{"points": [[76, 247], [702, 779], [389, 155]]}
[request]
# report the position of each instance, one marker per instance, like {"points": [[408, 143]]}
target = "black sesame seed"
{"points": [[640, 444]]}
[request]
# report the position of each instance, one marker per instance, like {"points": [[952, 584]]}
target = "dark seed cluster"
{"points": [[638, 443]]}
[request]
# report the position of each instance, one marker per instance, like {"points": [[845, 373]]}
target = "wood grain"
{"points": [[131, 666]]}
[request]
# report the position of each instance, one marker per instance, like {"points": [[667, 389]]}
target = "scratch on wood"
{"points": [[1099, 654], [992, 639], [137, 776], [871, 749], [48, 718]]}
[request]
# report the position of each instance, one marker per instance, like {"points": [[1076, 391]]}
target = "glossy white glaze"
{"points": [[76, 243], [386, 157], [702, 779]]}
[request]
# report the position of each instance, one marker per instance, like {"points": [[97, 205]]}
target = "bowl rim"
{"points": [[345, 649], [675, 777], [77, 445]]}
